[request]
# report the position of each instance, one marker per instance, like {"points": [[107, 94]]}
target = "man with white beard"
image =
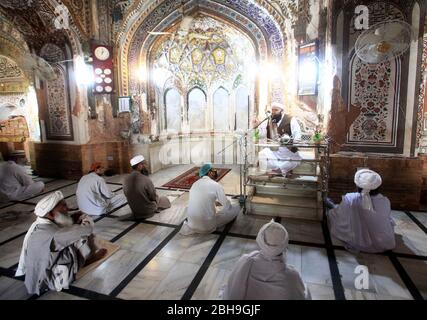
{"points": [[56, 246], [265, 274]]}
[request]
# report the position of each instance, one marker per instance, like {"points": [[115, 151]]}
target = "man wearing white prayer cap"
{"points": [[280, 125], [56, 246], [265, 274], [141, 193], [363, 219]]}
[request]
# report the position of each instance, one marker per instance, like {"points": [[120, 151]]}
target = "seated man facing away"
{"points": [[56, 246], [363, 219], [264, 274], [16, 184], [94, 197], [201, 212], [141, 193]]}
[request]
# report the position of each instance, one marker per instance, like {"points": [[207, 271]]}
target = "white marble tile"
{"points": [[66, 191], [192, 249], [422, 217], [9, 252], [53, 295], [15, 220], [212, 284], [320, 292], [300, 230], [108, 228], [175, 214], [383, 278], [248, 224], [409, 237], [230, 252], [417, 271], [134, 247], [315, 266], [11, 289]]}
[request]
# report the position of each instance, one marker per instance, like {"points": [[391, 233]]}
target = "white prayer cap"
{"points": [[277, 105], [367, 180], [46, 205], [136, 160], [273, 239]]}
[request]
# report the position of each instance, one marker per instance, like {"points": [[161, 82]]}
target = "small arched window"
{"points": [[220, 110], [173, 110], [197, 109], [242, 109]]}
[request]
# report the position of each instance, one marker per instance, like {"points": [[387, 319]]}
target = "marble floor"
{"points": [[155, 262]]}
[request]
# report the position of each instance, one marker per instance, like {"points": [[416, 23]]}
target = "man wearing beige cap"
{"points": [[56, 246], [363, 219], [141, 193]]}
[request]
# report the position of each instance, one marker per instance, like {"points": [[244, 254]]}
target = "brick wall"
{"points": [[402, 178], [72, 161]]}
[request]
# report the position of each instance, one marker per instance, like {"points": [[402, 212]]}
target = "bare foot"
{"points": [[98, 255]]}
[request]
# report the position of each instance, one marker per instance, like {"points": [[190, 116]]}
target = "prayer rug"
{"points": [[101, 243], [186, 180]]}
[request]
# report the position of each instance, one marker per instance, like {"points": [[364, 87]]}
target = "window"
{"points": [[220, 110], [173, 110], [197, 109], [242, 109]]}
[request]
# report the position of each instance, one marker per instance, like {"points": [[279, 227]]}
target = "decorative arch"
{"points": [[173, 109], [267, 26], [197, 109], [221, 112]]}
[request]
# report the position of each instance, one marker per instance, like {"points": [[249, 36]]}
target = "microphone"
{"points": [[268, 114]]}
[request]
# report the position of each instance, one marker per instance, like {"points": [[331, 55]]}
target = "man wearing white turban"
{"points": [[56, 246], [287, 129], [264, 274], [363, 219]]}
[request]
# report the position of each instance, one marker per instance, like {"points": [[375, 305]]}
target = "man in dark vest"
{"points": [[280, 126]]}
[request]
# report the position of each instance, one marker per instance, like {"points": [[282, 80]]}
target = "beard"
{"points": [[276, 118], [145, 172], [63, 220]]}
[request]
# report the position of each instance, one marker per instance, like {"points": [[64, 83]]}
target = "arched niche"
{"points": [[173, 110], [197, 103], [221, 110], [242, 109]]}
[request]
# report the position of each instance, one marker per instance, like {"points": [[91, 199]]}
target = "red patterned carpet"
{"points": [[186, 180]]}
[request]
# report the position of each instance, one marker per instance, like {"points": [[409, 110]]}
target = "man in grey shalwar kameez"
{"points": [[264, 274], [16, 184], [363, 219], [56, 247], [141, 193]]}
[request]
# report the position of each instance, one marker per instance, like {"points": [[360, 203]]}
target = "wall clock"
{"points": [[102, 53]]}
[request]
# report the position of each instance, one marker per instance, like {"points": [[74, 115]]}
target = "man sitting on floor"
{"points": [[94, 197], [264, 274], [363, 219], [16, 184], [56, 246], [141, 193], [201, 212]]}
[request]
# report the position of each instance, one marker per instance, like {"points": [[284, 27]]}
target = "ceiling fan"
{"points": [[184, 27], [384, 41]]}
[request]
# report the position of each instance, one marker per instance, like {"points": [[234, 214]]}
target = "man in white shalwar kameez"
{"points": [[284, 160], [363, 219], [56, 246], [264, 274], [94, 197], [201, 212], [16, 184]]}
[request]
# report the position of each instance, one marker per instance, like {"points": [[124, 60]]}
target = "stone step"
{"points": [[308, 181], [285, 201], [288, 190], [267, 206]]}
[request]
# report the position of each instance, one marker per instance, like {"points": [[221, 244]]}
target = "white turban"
{"points": [[49, 202], [273, 239], [277, 105], [367, 180]]}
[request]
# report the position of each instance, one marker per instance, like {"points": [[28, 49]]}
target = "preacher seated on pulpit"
{"points": [[284, 160]]}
